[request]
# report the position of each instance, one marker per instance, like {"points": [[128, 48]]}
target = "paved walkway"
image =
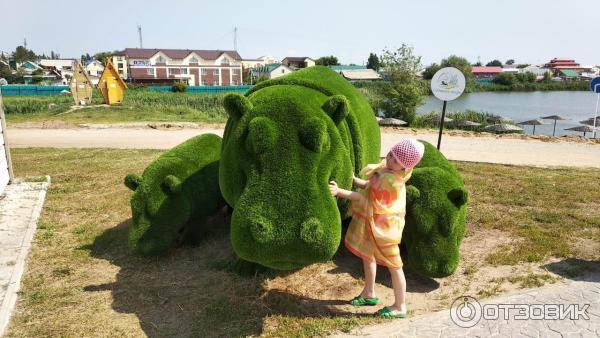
{"points": [[476, 149], [574, 293], [19, 212]]}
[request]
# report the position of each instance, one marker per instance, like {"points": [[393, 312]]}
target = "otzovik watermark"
{"points": [[466, 311]]}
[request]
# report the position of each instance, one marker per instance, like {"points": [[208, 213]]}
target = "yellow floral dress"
{"points": [[378, 218]]}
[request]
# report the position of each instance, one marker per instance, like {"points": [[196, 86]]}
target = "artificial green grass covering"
{"points": [[435, 216], [174, 194], [284, 141]]}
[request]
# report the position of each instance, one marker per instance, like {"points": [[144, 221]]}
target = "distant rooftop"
{"points": [[483, 69], [144, 53]]}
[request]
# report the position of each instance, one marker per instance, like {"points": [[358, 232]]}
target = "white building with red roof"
{"points": [[485, 74], [165, 66]]}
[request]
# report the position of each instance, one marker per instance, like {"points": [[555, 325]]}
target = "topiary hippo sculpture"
{"points": [[285, 139]]}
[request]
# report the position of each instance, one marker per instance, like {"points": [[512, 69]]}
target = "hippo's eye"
{"points": [[313, 135], [262, 135]]}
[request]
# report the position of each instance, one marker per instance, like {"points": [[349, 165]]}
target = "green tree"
{"points": [[6, 73], [547, 77], [510, 62], [373, 62], [327, 61], [494, 63], [461, 64], [477, 64], [430, 71], [507, 79], [527, 77], [402, 91], [102, 56], [22, 54]]}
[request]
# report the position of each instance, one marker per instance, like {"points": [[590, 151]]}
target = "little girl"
{"points": [[378, 220]]}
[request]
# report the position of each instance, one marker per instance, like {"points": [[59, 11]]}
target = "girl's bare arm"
{"points": [[343, 193], [357, 182]]}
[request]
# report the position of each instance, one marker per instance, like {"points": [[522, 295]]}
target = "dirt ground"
{"points": [[456, 145]]}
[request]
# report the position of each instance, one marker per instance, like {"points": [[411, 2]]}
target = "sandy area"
{"points": [[456, 145]]}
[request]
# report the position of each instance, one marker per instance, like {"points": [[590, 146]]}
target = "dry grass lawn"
{"points": [[81, 281]]}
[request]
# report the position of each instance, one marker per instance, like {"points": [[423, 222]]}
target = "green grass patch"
{"points": [[138, 105], [80, 276]]}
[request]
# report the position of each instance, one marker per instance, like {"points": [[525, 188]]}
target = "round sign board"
{"points": [[448, 84], [595, 85]]}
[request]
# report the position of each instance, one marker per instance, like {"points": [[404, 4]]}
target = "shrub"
{"points": [[506, 79], [179, 87]]}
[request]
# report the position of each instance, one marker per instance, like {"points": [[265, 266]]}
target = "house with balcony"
{"points": [[167, 66]]}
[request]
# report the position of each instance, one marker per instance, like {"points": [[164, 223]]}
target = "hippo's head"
{"points": [[280, 149], [435, 220], [159, 208]]}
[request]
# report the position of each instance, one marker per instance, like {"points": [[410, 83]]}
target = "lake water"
{"points": [[522, 106]]}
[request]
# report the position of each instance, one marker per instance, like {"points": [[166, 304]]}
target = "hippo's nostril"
{"points": [[311, 231], [262, 231]]}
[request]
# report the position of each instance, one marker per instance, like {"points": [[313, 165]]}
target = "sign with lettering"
{"points": [[448, 84], [595, 85], [139, 64]]}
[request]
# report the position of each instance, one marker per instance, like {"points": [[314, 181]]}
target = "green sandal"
{"points": [[386, 312], [362, 301]]}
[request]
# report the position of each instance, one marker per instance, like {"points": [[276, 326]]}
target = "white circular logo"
{"points": [[448, 84], [465, 311]]}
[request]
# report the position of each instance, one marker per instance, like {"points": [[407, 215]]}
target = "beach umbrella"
{"points": [[533, 123], [392, 122], [466, 124], [590, 122], [503, 128], [498, 119], [436, 119], [555, 118], [582, 129]]}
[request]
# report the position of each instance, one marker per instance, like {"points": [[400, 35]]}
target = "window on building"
{"points": [[193, 60], [225, 62], [216, 83], [172, 71], [183, 71], [119, 58], [204, 82], [120, 66], [150, 71], [236, 72], [282, 70], [216, 72], [160, 59], [204, 71]]}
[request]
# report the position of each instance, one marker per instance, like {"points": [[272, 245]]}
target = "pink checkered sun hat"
{"points": [[408, 152]]}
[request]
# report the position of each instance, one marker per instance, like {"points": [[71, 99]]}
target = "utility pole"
{"points": [[140, 35], [25, 43], [235, 38]]}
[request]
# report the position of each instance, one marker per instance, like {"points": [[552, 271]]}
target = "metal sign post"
{"points": [[595, 87], [447, 84]]}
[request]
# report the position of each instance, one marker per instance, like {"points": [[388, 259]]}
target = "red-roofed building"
{"points": [[165, 66], [556, 65], [485, 74]]}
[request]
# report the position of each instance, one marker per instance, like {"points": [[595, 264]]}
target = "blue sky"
{"points": [[530, 31]]}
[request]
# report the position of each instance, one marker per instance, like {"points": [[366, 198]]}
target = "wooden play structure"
{"points": [[81, 86], [111, 85]]}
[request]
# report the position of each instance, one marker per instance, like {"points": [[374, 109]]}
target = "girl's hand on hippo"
{"points": [[333, 188]]}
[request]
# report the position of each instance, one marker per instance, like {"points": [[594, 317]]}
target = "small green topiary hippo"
{"points": [[174, 194], [284, 141], [435, 215]]}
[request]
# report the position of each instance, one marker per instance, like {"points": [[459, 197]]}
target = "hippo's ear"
{"points": [[236, 105], [172, 185], [412, 194], [132, 181], [337, 108], [458, 196]]}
